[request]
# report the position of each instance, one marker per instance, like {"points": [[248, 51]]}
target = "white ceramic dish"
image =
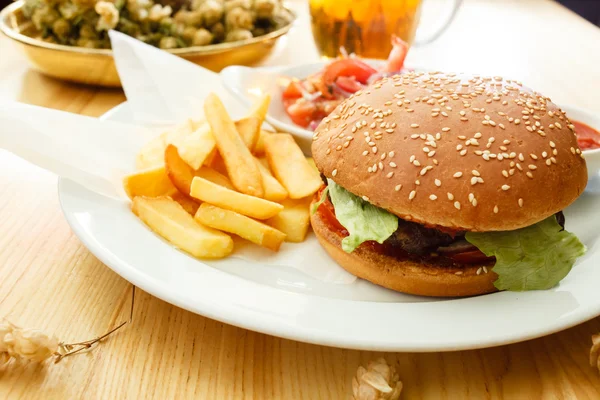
{"points": [[248, 84], [286, 303]]}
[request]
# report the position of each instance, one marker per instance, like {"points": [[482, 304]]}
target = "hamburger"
{"points": [[448, 185]]}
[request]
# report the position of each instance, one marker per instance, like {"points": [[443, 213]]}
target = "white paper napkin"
{"points": [[162, 90]]}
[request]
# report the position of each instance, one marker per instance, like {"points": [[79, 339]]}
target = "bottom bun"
{"points": [[406, 276]]}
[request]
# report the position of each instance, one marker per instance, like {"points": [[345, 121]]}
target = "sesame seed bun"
{"points": [[405, 275], [457, 151]]}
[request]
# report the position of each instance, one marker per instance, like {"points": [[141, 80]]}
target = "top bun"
{"points": [[463, 152]]}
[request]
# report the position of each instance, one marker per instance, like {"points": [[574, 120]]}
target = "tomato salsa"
{"points": [[587, 137], [310, 100]]}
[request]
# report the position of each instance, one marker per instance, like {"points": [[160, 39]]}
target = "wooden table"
{"points": [[49, 280]]}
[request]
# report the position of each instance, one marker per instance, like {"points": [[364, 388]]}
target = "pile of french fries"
{"points": [[204, 181]]}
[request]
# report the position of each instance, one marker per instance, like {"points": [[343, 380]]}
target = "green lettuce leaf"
{"points": [[363, 220], [313, 208], [533, 258]]}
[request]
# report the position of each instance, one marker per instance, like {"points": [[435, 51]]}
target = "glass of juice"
{"points": [[365, 27]]}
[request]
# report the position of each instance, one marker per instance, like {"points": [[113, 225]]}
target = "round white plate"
{"points": [[284, 302]]}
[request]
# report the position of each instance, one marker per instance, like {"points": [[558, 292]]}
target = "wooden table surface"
{"points": [[49, 280]]}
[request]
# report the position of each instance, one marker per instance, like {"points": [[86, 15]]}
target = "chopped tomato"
{"points": [[348, 84], [293, 90], [302, 112], [469, 257], [588, 143], [344, 67]]}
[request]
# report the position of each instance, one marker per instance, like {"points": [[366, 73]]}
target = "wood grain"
{"points": [[50, 281]]}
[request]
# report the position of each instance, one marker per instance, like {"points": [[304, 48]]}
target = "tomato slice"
{"points": [[302, 112], [348, 84], [344, 67], [327, 213], [469, 257], [293, 90]]}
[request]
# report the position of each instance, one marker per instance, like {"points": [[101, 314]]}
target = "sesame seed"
{"points": [[414, 125], [558, 125], [390, 174], [364, 153], [533, 156], [463, 152], [475, 173], [391, 154], [532, 167], [458, 273], [477, 135], [474, 202], [437, 182], [397, 188], [334, 172], [548, 162], [412, 195], [462, 137], [480, 268], [457, 205], [416, 163], [521, 157], [374, 149], [445, 129], [529, 175], [505, 173], [495, 209], [505, 187], [520, 202], [432, 197], [417, 182], [471, 197], [474, 180], [457, 174], [450, 196], [552, 144], [365, 198]]}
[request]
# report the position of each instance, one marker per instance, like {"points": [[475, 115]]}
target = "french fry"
{"points": [[194, 146], [274, 191], [249, 130], [190, 205], [260, 108], [311, 162], [149, 182], [215, 177], [254, 207], [293, 220], [241, 167], [290, 167], [178, 171], [152, 154], [167, 218], [259, 149], [238, 224]]}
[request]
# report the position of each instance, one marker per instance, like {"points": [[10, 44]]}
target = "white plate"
{"points": [[248, 84], [286, 303]]}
